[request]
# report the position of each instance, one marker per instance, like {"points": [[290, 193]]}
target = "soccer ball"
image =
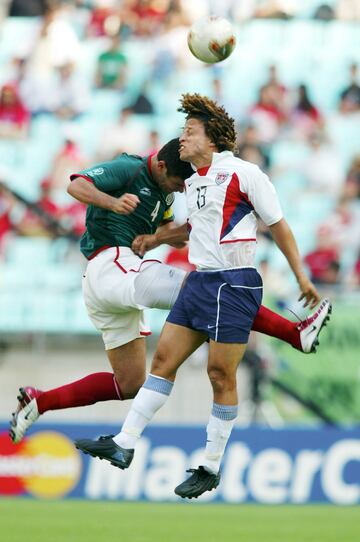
{"points": [[212, 39]]}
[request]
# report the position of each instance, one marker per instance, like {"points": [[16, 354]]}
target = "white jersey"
{"points": [[222, 201]]}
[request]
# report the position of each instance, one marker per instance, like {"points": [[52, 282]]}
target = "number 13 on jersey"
{"points": [[201, 193]]}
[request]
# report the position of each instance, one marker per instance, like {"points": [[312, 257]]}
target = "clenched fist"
{"points": [[126, 204]]}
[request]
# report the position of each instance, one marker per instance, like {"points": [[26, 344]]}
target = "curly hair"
{"points": [[219, 126]]}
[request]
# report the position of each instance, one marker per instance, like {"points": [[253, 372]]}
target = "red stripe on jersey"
{"points": [[233, 198], [202, 171], [145, 333], [73, 177], [116, 260], [149, 164], [238, 240]]}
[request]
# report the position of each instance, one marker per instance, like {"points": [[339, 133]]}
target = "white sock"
{"points": [[149, 399], [218, 430]]}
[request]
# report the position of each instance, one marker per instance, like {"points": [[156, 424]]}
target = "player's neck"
{"points": [[202, 160]]}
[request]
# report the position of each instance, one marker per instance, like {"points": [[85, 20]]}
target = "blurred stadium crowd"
{"points": [[82, 81]]}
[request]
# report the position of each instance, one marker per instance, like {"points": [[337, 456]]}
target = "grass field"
{"points": [[80, 521]]}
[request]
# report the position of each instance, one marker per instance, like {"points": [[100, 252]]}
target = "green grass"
{"points": [[81, 521]]}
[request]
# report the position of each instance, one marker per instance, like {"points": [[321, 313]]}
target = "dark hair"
{"points": [[304, 103], [169, 154], [219, 126]]}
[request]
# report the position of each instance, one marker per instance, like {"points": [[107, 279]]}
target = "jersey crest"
{"points": [[96, 171], [170, 199], [221, 177]]}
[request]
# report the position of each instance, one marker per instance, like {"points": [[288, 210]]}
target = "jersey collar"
{"points": [[149, 164], [216, 157]]}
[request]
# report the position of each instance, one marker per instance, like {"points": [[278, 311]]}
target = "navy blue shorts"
{"points": [[221, 304]]}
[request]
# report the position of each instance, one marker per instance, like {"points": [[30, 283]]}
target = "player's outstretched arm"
{"points": [[86, 192], [164, 235], [285, 240]]}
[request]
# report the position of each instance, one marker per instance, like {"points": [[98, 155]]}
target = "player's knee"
{"points": [[160, 365], [221, 380]]}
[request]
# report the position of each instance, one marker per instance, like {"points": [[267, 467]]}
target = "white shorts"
{"points": [[118, 285]]}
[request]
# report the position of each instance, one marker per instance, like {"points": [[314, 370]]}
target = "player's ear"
{"points": [[162, 166]]}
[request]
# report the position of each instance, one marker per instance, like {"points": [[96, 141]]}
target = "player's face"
{"points": [[194, 143], [169, 183]]}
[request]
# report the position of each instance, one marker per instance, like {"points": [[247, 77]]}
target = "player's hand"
{"points": [[143, 243], [126, 204], [309, 293]]}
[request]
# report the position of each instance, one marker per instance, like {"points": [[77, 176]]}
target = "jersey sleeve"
{"points": [[107, 176], [263, 196]]}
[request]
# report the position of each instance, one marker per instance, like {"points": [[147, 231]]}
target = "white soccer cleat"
{"points": [[310, 327], [25, 415]]}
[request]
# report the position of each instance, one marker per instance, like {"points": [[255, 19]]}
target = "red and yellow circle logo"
{"points": [[45, 465]]}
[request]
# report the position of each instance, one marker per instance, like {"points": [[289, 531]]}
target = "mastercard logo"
{"points": [[45, 465]]}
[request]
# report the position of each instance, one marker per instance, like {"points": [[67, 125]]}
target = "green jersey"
{"points": [[126, 174], [111, 63]]}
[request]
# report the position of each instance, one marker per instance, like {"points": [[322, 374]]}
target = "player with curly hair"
{"points": [[220, 300]]}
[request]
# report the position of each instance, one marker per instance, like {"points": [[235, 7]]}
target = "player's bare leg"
{"points": [[223, 361], [176, 344], [128, 363]]}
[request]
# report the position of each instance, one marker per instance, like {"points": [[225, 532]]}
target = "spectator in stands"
{"points": [[278, 89], [55, 45], [342, 227], [73, 218], [37, 221], [305, 116], [266, 115], [112, 66], [128, 134], [70, 95], [324, 262], [249, 148], [69, 159], [14, 116], [323, 167], [105, 19], [148, 15], [34, 90], [350, 96]]}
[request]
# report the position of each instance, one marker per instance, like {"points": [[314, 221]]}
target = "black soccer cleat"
{"points": [[200, 481], [105, 448]]}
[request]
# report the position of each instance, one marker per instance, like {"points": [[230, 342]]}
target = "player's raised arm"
{"points": [[284, 238], [86, 192], [168, 234]]}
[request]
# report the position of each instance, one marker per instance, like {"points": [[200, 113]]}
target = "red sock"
{"points": [[271, 323], [87, 391]]}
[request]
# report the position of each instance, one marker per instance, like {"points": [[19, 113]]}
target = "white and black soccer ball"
{"points": [[212, 39]]}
